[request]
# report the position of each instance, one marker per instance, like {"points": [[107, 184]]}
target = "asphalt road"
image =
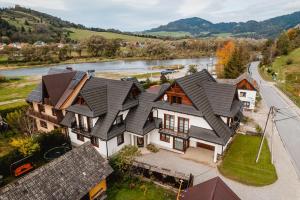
{"points": [[287, 119]]}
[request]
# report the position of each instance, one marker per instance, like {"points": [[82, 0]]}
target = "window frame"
{"points": [[95, 141], [185, 125], [80, 137], [119, 142], [41, 108], [243, 94], [167, 118], [119, 120], [45, 125], [164, 137]]}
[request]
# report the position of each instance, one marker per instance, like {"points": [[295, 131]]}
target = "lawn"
{"points": [[16, 89], [239, 162], [79, 34], [174, 34], [136, 189]]}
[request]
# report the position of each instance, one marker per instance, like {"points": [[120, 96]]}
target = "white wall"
{"points": [[74, 140], [113, 144], [193, 120], [250, 97]]}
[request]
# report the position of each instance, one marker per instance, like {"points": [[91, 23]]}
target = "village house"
{"points": [[247, 89], [79, 174], [193, 111], [53, 95]]}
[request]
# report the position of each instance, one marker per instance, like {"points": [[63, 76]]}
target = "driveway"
{"points": [[288, 120]]}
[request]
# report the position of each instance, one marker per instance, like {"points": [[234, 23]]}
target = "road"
{"points": [[287, 119]]}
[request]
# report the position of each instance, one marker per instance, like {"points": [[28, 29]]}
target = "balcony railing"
{"points": [[174, 132], [43, 116], [81, 131]]}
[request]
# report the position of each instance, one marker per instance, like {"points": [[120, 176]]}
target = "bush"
{"points": [[2, 79], [152, 148], [50, 140], [122, 161], [258, 128], [26, 146], [289, 61]]}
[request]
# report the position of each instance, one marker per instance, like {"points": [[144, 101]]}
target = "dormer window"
{"points": [[150, 118], [176, 99], [119, 120]]}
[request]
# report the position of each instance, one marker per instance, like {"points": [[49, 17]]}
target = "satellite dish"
{"points": [[165, 97]]}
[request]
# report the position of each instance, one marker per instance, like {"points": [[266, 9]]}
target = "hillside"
{"points": [[20, 24], [200, 27]]}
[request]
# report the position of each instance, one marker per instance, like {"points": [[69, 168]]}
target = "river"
{"points": [[137, 66]]}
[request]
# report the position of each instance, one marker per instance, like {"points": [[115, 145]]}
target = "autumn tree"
{"points": [[27, 146], [223, 55], [283, 44], [96, 45]]}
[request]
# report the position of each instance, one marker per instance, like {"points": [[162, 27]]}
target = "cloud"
{"points": [[138, 15]]}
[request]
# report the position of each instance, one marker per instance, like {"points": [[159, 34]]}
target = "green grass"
{"points": [[141, 190], [239, 162], [288, 78], [79, 34], [170, 34], [16, 88]]}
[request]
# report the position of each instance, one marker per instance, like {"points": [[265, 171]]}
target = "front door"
{"points": [[179, 144], [140, 141]]}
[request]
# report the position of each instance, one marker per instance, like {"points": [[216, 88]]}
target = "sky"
{"points": [[139, 15]]}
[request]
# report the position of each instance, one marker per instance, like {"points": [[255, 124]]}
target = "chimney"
{"points": [[91, 73], [69, 68]]}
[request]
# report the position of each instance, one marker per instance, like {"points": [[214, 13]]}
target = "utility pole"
{"points": [[264, 133], [179, 190]]}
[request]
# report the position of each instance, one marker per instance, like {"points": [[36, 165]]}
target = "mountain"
{"points": [[21, 24], [262, 29]]}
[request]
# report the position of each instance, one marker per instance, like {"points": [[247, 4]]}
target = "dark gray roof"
{"points": [[137, 117], [244, 76], [193, 86], [180, 108], [68, 119], [37, 94], [81, 109], [220, 97], [204, 134], [68, 177]]}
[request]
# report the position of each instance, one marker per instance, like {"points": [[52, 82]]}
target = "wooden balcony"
{"points": [[173, 132], [43, 116]]}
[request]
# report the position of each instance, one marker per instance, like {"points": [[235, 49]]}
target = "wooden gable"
{"points": [[176, 91], [245, 85]]}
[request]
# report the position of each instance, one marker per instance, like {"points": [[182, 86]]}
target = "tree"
{"points": [[18, 121], [283, 44], [96, 45], [27, 146], [224, 54], [163, 79], [192, 69]]}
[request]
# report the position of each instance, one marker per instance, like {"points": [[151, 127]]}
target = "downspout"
{"points": [[106, 150]]}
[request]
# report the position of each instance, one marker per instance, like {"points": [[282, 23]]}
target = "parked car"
{"points": [[167, 71]]}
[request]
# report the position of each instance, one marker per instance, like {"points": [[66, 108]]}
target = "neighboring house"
{"points": [[213, 189], [247, 89], [195, 111], [53, 95], [79, 174]]}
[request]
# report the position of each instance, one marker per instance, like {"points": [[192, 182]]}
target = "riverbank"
{"points": [[95, 60]]}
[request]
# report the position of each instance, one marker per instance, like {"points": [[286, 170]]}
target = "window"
{"points": [[120, 139], [178, 144], [95, 141], [90, 123], [183, 125], [176, 99], [43, 124], [243, 94], [81, 121], [169, 122], [53, 111], [119, 119], [41, 108], [164, 137], [80, 137], [246, 104]]}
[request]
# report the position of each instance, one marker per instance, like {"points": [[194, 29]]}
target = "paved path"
{"points": [[287, 121]]}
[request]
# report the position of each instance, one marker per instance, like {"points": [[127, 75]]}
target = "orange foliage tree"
{"points": [[223, 55]]}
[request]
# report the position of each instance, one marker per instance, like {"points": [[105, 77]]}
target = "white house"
{"points": [[247, 89], [194, 111]]}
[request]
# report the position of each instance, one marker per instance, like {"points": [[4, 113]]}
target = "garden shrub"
{"points": [[152, 148]]}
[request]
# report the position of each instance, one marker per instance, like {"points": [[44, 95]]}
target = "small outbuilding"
{"points": [[213, 189], [79, 174]]}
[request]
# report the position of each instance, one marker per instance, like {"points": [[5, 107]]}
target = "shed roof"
{"points": [[213, 189], [68, 177]]}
